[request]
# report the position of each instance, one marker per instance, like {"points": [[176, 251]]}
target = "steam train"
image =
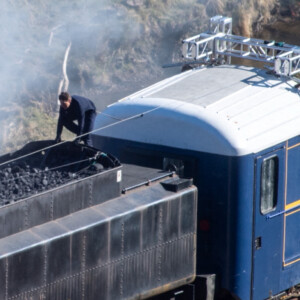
{"points": [[198, 197]]}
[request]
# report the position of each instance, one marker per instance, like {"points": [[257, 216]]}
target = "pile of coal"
{"points": [[29, 171], [21, 180]]}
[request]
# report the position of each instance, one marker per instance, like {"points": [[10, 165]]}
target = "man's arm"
{"points": [[81, 117], [59, 128], [81, 122]]}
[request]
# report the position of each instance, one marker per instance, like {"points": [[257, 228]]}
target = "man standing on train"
{"points": [[76, 108]]}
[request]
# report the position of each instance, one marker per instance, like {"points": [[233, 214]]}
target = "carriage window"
{"points": [[268, 185]]}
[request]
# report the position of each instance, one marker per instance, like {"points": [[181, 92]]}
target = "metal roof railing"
{"points": [[219, 44]]}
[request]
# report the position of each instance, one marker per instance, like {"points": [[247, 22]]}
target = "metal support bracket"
{"points": [[219, 44]]}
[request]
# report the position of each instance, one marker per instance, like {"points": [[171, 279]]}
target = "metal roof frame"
{"points": [[219, 45]]}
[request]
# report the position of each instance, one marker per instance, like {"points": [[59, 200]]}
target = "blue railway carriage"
{"points": [[235, 131]]}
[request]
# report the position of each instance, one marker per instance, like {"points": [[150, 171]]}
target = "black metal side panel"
{"points": [[132, 247], [59, 202]]}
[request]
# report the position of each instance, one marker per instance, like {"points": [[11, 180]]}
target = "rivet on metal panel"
{"points": [[91, 193], [6, 278], [51, 206], [122, 258], [26, 221], [84, 273], [45, 250], [160, 233], [83, 264]]}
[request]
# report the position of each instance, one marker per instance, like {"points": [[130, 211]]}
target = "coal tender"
{"points": [[77, 224], [53, 182], [25, 175]]}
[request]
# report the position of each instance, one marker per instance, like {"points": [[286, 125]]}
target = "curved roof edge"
{"points": [[171, 123], [226, 110]]}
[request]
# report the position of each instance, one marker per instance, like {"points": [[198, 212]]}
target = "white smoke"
{"points": [[35, 35]]}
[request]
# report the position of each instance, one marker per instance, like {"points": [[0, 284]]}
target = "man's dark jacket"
{"points": [[76, 111]]}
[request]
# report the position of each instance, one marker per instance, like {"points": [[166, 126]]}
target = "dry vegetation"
{"points": [[118, 48]]}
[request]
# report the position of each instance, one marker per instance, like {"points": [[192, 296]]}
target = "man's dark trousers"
{"points": [[88, 126]]}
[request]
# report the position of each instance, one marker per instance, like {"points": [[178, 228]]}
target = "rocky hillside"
{"points": [[100, 49]]}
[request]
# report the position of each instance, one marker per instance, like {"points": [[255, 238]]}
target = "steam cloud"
{"points": [[34, 37]]}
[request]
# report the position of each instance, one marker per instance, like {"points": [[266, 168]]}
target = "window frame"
{"points": [[264, 192]]}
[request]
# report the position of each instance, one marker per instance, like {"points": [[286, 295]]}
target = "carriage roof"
{"points": [[227, 109]]}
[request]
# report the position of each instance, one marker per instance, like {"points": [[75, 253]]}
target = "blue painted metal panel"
{"points": [[242, 186], [292, 215], [225, 187], [229, 198], [292, 241], [293, 174], [268, 234], [225, 195]]}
